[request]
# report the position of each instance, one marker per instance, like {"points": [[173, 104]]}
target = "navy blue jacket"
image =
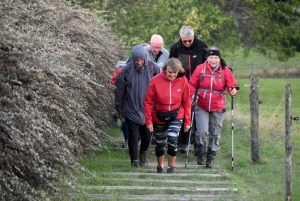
{"points": [[132, 86]]}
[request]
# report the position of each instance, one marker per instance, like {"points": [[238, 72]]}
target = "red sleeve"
{"points": [[229, 79], [148, 103], [187, 104]]}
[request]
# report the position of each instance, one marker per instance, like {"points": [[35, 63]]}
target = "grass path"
{"points": [[117, 180]]}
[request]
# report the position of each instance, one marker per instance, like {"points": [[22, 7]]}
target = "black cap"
{"points": [[213, 53]]}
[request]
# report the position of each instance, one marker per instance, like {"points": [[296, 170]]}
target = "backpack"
{"points": [[221, 74], [127, 70], [199, 49], [114, 76]]}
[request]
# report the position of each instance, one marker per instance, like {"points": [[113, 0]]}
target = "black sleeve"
{"points": [[172, 52]]}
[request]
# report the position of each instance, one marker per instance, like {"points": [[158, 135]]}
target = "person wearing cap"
{"points": [[210, 79], [132, 85], [190, 50]]}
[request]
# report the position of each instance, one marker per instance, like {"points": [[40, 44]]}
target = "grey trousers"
{"points": [[209, 125]]}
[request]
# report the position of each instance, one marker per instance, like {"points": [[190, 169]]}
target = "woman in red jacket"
{"points": [[211, 79], [166, 105]]}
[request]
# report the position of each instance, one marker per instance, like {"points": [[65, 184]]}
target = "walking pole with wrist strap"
{"points": [[232, 120], [190, 131]]}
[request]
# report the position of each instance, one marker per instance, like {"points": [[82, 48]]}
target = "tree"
{"points": [[225, 24], [269, 27], [276, 29], [135, 22]]}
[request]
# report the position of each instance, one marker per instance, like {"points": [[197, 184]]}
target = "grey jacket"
{"points": [[132, 86], [163, 56]]}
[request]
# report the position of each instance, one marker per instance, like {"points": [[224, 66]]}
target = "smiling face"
{"points": [[139, 63], [213, 60], [171, 73]]}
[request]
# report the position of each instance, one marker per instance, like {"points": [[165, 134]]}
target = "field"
{"points": [[257, 64], [265, 180]]}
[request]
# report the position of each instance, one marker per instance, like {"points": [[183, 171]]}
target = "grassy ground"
{"points": [[262, 66], [266, 180], [262, 181]]}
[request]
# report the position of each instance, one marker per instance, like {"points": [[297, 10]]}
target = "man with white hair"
{"points": [[191, 51], [155, 50]]}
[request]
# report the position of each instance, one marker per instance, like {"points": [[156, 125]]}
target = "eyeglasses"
{"points": [[185, 41], [156, 48]]}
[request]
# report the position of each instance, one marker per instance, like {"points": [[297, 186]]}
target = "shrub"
{"points": [[54, 96]]}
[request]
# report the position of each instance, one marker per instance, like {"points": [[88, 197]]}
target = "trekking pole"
{"points": [[152, 133], [190, 131], [232, 120]]}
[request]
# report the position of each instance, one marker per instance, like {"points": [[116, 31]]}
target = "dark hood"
{"points": [[138, 52]]}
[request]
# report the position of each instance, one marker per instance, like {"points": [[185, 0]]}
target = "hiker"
{"points": [[132, 85], [113, 80], [155, 50], [157, 53], [211, 79], [166, 105], [190, 50]]}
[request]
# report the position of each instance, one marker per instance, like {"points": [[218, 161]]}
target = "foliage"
{"points": [[54, 64], [225, 24], [166, 17], [276, 29]]}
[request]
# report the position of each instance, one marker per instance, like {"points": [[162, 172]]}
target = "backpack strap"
{"points": [[128, 67], [221, 75], [127, 70], [151, 65]]}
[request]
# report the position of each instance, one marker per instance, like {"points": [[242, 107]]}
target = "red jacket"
{"points": [[165, 95], [212, 86]]}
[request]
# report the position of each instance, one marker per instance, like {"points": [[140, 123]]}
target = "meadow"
{"points": [[266, 179], [266, 67], [262, 181]]}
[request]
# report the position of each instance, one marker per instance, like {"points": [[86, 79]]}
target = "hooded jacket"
{"points": [[212, 86], [165, 95], [132, 86], [190, 57]]}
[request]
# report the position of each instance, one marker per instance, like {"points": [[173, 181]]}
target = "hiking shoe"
{"points": [[200, 159], [160, 169], [209, 163], [170, 170], [143, 159], [135, 163]]}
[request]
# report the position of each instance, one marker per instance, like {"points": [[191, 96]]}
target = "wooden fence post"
{"points": [[288, 143], [254, 119]]}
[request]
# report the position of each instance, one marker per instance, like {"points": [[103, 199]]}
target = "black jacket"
{"points": [[190, 57]]}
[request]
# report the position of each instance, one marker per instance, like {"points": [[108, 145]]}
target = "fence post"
{"points": [[288, 143], [254, 119]]}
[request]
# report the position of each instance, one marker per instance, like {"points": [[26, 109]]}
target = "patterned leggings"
{"points": [[167, 133]]}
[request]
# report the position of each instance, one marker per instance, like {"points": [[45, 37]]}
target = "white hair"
{"points": [[187, 31]]}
